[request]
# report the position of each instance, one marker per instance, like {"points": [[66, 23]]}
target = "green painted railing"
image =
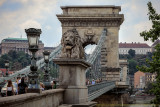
{"points": [[98, 89]]}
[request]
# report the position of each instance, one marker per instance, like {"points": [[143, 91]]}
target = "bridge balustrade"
{"points": [[40, 63], [98, 89]]}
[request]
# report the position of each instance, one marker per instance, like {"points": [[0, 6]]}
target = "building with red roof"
{"points": [[3, 72], [19, 44], [140, 48]]}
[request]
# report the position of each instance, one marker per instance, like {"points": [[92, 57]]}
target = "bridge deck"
{"points": [[96, 90]]}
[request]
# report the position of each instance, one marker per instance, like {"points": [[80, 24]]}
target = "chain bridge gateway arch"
{"points": [[95, 25], [90, 21]]}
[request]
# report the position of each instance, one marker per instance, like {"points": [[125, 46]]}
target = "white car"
{"points": [[3, 90]]}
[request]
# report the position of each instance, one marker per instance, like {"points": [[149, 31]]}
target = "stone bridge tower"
{"points": [[90, 22]]}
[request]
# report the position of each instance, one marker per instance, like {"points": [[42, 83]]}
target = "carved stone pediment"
{"points": [[88, 37], [89, 32]]}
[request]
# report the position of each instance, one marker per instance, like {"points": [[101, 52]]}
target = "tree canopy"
{"points": [[131, 52], [153, 33], [132, 66], [154, 64]]}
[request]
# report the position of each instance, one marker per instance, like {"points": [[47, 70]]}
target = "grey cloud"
{"points": [[32, 13]]}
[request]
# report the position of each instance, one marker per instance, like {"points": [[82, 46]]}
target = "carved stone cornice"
{"points": [[92, 6], [90, 15], [92, 20], [124, 63]]}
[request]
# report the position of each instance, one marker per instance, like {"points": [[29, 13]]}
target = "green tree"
{"points": [[131, 53], [154, 64], [149, 55], [17, 60], [132, 66], [148, 88], [153, 33], [41, 74], [53, 70], [13, 54]]}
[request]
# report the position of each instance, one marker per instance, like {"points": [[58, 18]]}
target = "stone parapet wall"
{"points": [[48, 98]]}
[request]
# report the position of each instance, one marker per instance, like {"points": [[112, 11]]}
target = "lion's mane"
{"points": [[77, 50]]}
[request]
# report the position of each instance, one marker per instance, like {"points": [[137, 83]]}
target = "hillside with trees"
{"points": [[17, 60], [135, 60]]}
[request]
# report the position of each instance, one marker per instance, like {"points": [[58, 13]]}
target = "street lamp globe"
{"points": [[33, 36], [46, 56], [6, 63]]}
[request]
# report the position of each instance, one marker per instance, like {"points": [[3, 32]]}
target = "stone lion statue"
{"points": [[71, 45]]}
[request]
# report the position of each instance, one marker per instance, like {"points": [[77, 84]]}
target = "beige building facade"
{"points": [[19, 44], [141, 79], [140, 48], [149, 77]]}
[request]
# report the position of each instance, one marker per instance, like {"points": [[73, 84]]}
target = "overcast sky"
{"points": [[17, 15]]}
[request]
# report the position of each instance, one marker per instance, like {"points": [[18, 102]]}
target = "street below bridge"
{"points": [[142, 101], [111, 99]]}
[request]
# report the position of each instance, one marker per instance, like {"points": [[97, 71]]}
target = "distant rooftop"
{"points": [[4, 71], [155, 43], [17, 40], [133, 45]]}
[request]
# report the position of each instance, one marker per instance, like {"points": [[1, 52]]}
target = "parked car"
{"points": [[132, 95], [4, 88]]}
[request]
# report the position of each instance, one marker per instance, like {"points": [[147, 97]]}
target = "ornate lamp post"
{"points": [[46, 60], [46, 80], [6, 66], [33, 41], [90, 75]]}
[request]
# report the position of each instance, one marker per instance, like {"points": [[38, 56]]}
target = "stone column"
{"points": [[72, 77]]}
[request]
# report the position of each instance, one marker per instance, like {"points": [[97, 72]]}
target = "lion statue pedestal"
{"points": [[72, 68], [72, 78]]}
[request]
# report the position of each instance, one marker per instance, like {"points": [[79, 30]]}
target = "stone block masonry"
{"points": [[90, 21], [48, 98]]}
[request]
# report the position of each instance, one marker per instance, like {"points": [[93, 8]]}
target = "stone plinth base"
{"points": [[72, 77], [76, 95], [48, 98]]}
